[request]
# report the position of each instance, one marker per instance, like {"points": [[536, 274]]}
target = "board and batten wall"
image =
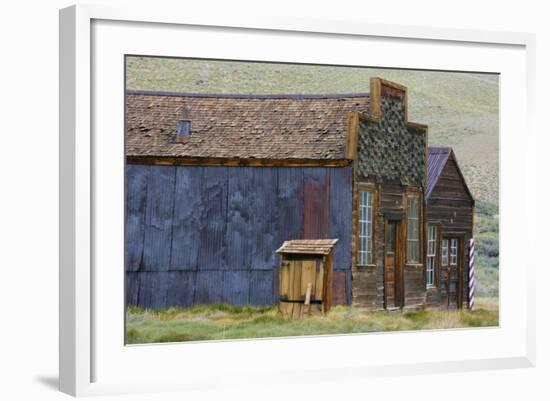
{"points": [[452, 207], [208, 234]]}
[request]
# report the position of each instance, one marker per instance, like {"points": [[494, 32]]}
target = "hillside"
{"points": [[461, 109]]}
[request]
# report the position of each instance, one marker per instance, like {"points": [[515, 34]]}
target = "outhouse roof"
{"points": [[308, 246], [241, 126]]}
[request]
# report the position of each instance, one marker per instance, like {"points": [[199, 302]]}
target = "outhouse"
{"points": [[305, 277]]}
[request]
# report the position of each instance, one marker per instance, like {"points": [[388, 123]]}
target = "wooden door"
{"points": [[453, 273], [393, 274]]}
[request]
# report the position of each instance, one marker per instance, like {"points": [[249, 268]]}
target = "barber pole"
{"points": [[472, 273]]}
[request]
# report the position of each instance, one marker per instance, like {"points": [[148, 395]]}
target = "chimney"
{"points": [[183, 129]]}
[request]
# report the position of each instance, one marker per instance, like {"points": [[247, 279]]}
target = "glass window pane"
{"points": [[413, 229], [365, 227]]}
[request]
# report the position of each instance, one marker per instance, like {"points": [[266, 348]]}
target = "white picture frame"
{"points": [[93, 358]]}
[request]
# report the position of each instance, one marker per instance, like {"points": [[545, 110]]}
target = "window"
{"points": [[365, 228], [454, 248], [430, 255], [413, 229], [444, 253]]}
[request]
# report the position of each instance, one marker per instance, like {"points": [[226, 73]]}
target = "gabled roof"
{"points": [[308, 246], [437, 159], [241, 126]]}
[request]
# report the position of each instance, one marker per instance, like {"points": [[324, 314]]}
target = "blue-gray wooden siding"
{"points": [[208, 234]]}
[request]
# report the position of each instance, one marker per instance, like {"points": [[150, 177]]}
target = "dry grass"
{"points": [[218, 322]]}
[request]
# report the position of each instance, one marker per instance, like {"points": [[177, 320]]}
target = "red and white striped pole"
{"points": [[472, 281]]}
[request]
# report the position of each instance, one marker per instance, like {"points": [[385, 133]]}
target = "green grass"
{"points": [[222, 321], [461, 110]]}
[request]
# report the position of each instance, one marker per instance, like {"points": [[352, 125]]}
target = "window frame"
{"points": [[446, 242], [370, 188], [434, 256], [419, 218], [451, 252]]}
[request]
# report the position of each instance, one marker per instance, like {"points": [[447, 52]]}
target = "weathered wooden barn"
{"points": [[215, 183]]}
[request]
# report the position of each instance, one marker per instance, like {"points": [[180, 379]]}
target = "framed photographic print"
{"points": [[237, 192]]}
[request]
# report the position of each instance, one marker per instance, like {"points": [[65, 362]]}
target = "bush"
{"points": [[486, 282], [485, 208], [487, 245]]}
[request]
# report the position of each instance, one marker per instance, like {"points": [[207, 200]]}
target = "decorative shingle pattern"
{"points": [[388, 150], [241, 126]]}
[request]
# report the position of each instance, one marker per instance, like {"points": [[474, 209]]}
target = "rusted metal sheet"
{"points": [[339, 288], [212, 219], [316, 203]]}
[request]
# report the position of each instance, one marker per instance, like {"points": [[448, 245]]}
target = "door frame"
{"points": [[399, 265], [459, 265]]}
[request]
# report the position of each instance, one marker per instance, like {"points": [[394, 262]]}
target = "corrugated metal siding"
{"points": [[437, 157], [198, 234]]}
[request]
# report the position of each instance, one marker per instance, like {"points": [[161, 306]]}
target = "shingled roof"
{"points": [[308, 246], [241, 126]]}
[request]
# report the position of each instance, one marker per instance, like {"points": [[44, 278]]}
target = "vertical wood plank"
{"points": [[158, 218], [136, 201], [284, 279], [308, 276], [319, 294], [348, 287], [296, 282]]}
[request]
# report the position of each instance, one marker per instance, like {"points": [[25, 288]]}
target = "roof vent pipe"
{"points": [[183, 128]]}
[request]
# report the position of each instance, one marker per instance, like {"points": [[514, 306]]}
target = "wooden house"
{"points": [[449, 228], [215, 183]]}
